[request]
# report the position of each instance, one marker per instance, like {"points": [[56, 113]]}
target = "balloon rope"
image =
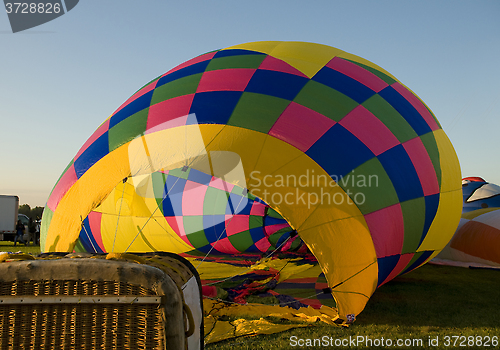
{"points": [[223, 231], [124, 181], [88, 236], [152, 214]]}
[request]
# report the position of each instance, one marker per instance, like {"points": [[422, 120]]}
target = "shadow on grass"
{"points": [[435, 295]]}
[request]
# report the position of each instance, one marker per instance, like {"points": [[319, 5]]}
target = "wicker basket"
{"points": [[89, 303]]}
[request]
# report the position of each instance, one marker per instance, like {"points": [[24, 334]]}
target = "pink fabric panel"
{"points": [[169, 114], [358, 73], [417, 104], [98, 133], [369, 130], [205, 57], [269, 230], [423, 165], [225, 80], [272, 63], [263, 245], [192, 198], [221, 184], [177, 224], [404, 260], [386, 227], [258, 209], [63, 185], [300, 126], [236, 224], [95, 227], [225, 245]]}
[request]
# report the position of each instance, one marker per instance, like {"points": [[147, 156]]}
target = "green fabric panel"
{"points": [[180, 87], [255, 221], [241, 241], [158, 182], [430, 145], [273, 213], [46, 219], [128, 129], [378, 73], [414, 220], [193, 226], [79, 247], [238, 190], [257, 111], [238, 61], [325, 100], [215, 201], [369, 186], [179, 173], [390, 117]]}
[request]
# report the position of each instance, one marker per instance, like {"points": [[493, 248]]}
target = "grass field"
{"points": [[433, 307]]}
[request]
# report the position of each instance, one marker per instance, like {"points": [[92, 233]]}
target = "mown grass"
{"points": [[6, 246], [432, 302]]}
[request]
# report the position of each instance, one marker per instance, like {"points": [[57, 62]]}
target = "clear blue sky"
{"points": [[60, 80]]}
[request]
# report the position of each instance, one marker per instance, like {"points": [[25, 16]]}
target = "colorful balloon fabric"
{"points": [[354, 162], [479, 195], [476, 242]]}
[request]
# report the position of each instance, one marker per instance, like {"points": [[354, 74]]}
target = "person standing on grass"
{"points": [[20, 232]]}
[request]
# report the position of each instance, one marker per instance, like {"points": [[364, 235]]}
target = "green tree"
{"points": [[25, 209]]}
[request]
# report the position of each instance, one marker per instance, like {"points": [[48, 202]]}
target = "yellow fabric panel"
{"points": [[346, 254], [217, 330], [449, 210], [306, 314], [308, 58], [215, 271], [475, 213], [82, 197], [451, 178], [140, 223], [445, 222]]}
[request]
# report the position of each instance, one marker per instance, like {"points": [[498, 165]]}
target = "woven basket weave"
{"points": [[88, 304]]}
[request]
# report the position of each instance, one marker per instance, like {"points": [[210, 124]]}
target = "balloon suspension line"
{"points": [[124, 181], [88, 236], [223, 231], [152, 214]]}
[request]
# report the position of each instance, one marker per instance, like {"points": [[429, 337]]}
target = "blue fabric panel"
{"points": [[278, 84], [257, 233], [214, 107], [339, 152], [431, 207], [385, 267], [172, 201], [183, 72], [268, 221], [98, 149], [238, 205], [236, 52], [402, 173], [409, 113], [199, 177], [133, 107], [87, 238], [214, 227], [344, 84]]}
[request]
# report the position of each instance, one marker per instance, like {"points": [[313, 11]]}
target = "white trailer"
{"points": [[9, 206]]}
